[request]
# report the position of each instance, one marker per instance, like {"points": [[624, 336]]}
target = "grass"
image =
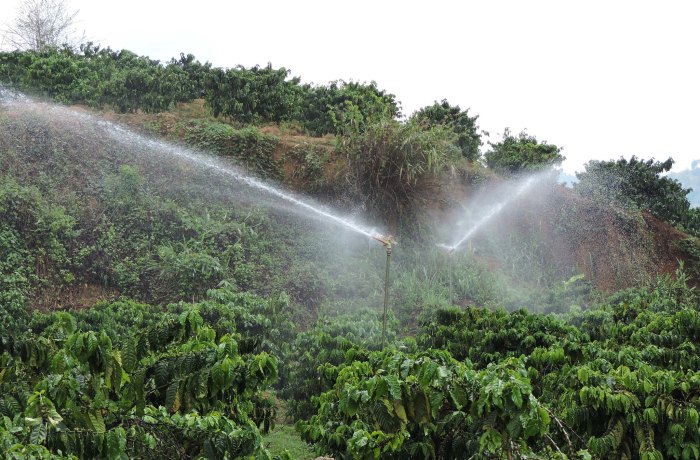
{"points": [[284, 437]]}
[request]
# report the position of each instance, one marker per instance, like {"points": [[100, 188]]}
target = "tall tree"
{"points": [[522, 153], [639, 184], [43, 23], [456, 120]]}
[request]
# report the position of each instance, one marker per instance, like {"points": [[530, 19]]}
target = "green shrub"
{"points": [[428, 405], [523, 153], [173, 386], [394, 165], [258, 94], [308, 370], [248, 146], [457, 121], [346, 107]]}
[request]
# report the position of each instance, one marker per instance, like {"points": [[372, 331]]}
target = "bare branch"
{"points": [[43, 23]]}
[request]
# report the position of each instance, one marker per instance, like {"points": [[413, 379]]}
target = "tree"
{"points": [[638, 183], [346, 107], [522, 153], [258, 94], [41, 24], [456, 120]]}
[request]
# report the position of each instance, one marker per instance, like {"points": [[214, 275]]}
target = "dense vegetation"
{"points": [[149, 309], [618, 381], [182, 382], [638, 183], [127, 82], [523, 153]]}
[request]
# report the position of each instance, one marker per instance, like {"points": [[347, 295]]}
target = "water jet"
{"points": [[121, 135], [154, 150], [490, 214]]}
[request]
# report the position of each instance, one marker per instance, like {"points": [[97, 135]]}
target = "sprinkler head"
{"points": [[387, 240]]}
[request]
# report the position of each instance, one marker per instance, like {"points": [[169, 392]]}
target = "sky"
{"points": [[602, 79]]}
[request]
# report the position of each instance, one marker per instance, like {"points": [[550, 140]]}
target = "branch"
{"points": [[563, 429]]}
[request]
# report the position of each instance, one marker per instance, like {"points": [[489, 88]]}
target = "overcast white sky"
{"points": [[600, 78]]}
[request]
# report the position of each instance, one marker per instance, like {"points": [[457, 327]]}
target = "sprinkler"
{"points": [[386, 241]]}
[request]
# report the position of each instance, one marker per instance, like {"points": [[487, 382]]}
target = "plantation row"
{"points": [[127, 83], [618, 381]]}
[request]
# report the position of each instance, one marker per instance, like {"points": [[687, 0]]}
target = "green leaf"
{"points": [[172, 396], [394, 386], [400, 410], [38, 434], [436, 400], [459, 397], [129, 358], [517, 398], [96, 421]]}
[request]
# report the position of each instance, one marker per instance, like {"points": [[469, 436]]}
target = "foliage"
{"points": [[36, 248], [482, 336], [522, 153], [639, 184], [393, 165], [264, 324], [249, 146], [173, 386], [196, 72], [310, 161], [456, 120], [99, 77], [253, 95], [156, 250], [129, 83], [309, 365], [427, 405], [346, 107], [613, 381]]}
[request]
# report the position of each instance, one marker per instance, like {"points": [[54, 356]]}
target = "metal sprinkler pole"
{"points": [[450, 257], [387, 242], [386, 292]]}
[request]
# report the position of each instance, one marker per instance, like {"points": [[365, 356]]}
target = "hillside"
{"points": [[614, 248], [178, 275], [552, 227]]}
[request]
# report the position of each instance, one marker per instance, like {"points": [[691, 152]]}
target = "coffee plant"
{"points": [[174, 386]]}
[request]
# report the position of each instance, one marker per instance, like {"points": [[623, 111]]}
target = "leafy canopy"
{"points": [[456, 120], [522, 153], [637, 183]]}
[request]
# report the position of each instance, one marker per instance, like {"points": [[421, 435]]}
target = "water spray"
{"points": [[387, 242], [493, 211], [450, 250], [124, 135]]}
